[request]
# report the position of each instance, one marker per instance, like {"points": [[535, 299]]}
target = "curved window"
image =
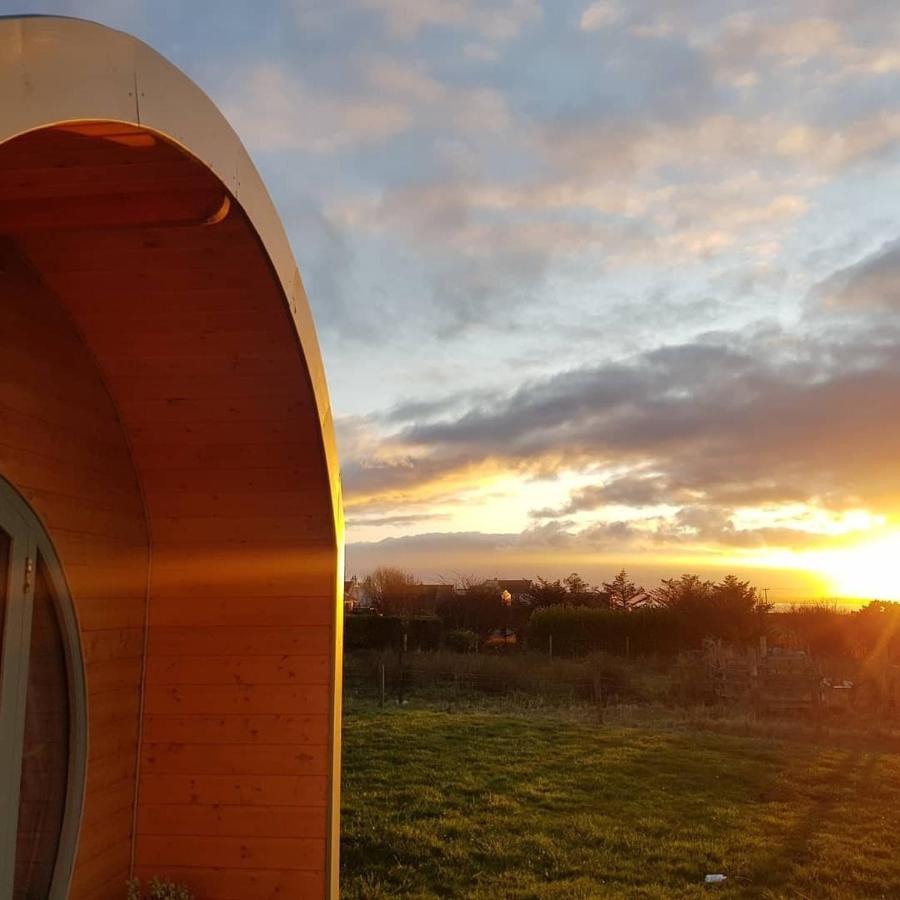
{"points": [[42, 731]]}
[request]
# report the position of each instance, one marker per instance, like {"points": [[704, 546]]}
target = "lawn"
{"points": [[493, 805]]}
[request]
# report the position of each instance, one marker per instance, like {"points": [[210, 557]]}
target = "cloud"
{"points": [[421, 410], [747, 49], [561, 208], [493, 244], [481, 52], [275, 111], [492, 20], [462, 109], [638, 489], [127, 15], [599, 15], [615, 149], [655, 547], [709, 427], [745, 46], [871, 284], [384, 521]]}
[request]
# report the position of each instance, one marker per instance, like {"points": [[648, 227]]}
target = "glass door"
{"points": [[45, 748], [41, 749]]}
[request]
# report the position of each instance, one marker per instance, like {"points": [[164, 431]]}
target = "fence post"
{"points": [[381, 684], [627, 646], [550, 645], [597, 680]]}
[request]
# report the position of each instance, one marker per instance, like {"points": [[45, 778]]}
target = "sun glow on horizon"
{"points": [[866, 570]]}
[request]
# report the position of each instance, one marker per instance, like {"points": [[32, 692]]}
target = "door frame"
{"points": [[29, 541]]}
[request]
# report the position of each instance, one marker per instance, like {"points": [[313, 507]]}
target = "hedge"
{"points": [[579, 629], [372, 632]]}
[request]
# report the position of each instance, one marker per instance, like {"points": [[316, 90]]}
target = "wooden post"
{"points": [[627, 646], [598, 693], [381, 682], [550, 646]]}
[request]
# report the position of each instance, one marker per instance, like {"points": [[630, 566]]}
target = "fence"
{"points": [[776, 681], [395, 677]]}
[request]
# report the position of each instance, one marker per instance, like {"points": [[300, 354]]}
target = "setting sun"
{"points": [[868, 570]]}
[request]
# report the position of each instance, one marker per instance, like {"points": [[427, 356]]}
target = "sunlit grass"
{"points": [[489, 805]]}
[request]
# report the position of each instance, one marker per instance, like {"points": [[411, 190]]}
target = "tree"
{"points": [[393, 591], [624, 594], [576, 585], [732, 592], [548, 593], [730, 609], [475, 605], [739, 610], [689, 590], [580, 593]]}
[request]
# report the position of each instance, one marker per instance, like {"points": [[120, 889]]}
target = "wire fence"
{"points": [[782, 683], [397, 677]]}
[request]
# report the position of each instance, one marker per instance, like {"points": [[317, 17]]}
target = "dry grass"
{"points": [[534, 678]]}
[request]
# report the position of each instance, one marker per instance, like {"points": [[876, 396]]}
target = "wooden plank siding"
{"points": [[187, 328], [63, 447]]}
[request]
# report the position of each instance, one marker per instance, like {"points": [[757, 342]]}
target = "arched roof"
{"points": [[63, 70]]}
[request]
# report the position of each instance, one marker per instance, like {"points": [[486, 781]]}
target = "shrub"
{"points": [[372, 632], [363, 632], [578, 630], [824, 630], [424, 633], [691, 681], [157, 889], [475, 606], [461, 641]]}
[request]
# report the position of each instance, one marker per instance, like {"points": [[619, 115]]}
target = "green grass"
{"points": [[492, 805]]}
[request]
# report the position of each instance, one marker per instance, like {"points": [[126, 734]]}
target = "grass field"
{"points": [[493, 805]]}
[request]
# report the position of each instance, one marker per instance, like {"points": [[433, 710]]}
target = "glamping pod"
{"points": [[170, 515]]}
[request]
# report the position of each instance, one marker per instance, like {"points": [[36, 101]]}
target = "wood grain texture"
{"points": [[183, 331], [64, 448]]}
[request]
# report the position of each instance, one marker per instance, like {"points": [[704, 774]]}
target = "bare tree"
{"points": [[393, 591]]}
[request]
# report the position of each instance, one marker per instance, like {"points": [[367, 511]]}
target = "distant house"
{"points": [[356, 597], [519, 588], [353, 594]]}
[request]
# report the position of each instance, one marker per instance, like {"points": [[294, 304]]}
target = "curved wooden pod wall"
{"points": [[165, 412], [62, 447]]}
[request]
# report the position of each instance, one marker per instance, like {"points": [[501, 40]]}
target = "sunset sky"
{"points": [[597, 284]]}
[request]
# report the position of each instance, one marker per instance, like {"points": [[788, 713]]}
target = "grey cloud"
{"points": [[724, 422], [412, 410], [609, 401], [638, 490], [326, 256], [872, 283], [382, 521], [630, 490], [407, 411], [528, 550]]}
